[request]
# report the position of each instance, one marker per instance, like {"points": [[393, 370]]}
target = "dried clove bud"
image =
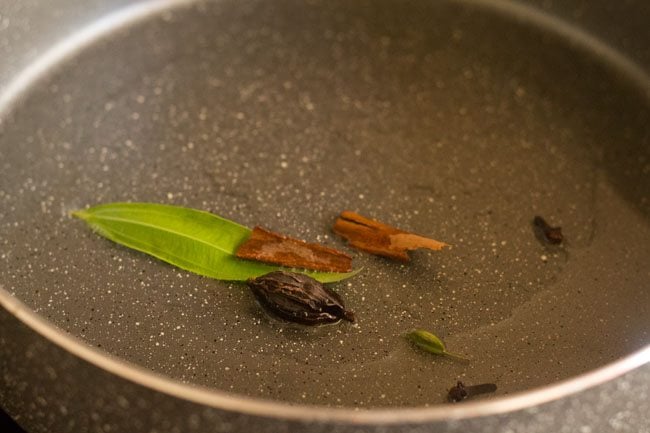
{"points": [[457, 393], [552, 235], [299, 298], [460, 392]]}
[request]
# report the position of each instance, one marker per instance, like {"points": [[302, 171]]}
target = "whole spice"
{"points": [[266, 246], [460, 392], [432, 344], [552, 235], [299, 298], [194, 240], [381, 239]]}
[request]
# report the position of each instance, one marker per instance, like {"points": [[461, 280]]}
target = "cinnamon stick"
{"points": [[270, 247], [381, 239]]}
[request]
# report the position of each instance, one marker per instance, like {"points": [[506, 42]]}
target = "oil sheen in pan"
{"points": [[419, 114]]}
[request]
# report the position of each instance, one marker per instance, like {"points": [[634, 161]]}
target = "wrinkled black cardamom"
{"points": [[299, 298]]}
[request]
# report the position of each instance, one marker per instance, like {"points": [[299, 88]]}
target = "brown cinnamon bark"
{"points": [[269, 247], [381, 239]]}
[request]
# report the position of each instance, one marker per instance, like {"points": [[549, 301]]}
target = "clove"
{"points": [[461, 392], [547, 233]]}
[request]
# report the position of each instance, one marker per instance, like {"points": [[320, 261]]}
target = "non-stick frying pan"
{"points": [[455, 120]]}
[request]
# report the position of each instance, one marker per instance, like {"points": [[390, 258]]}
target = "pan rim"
{"points": [[132, 14], [280, 410], [309, 413]]}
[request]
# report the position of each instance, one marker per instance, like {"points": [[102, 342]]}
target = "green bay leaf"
{"points": [[194, 240]]}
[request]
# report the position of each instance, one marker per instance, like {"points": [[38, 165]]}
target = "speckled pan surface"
{"points": [[448, 119]]}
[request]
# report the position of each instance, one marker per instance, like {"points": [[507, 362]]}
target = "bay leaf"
{"points": [[193, 240]]}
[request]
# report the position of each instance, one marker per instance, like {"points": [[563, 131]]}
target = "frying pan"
{"points": [[455, 120]]}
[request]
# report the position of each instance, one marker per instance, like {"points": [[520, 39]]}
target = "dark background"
{"points": [[7, 425]]}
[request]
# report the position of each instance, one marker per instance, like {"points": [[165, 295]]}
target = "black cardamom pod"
{"points": [[299, 298]]}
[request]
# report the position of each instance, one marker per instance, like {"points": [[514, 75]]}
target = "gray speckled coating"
{"points": [[447, 119], [70, 395]]}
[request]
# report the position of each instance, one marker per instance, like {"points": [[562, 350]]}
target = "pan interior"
{"points": [[446, 119]]}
